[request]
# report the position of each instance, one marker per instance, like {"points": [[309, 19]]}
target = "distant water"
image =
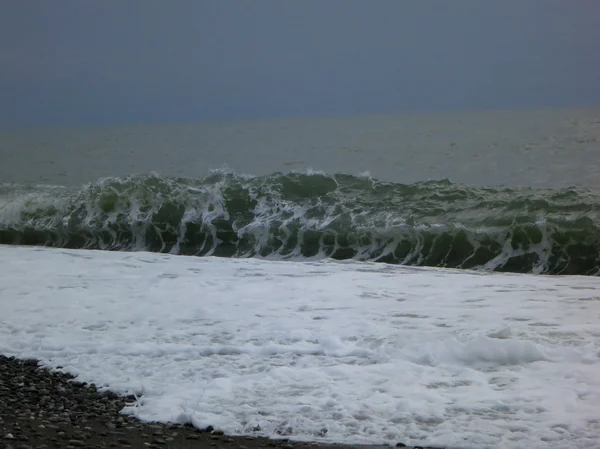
{"points": [[508, 191]]}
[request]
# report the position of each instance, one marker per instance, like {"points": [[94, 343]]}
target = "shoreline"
{"points": [[44, 409]]}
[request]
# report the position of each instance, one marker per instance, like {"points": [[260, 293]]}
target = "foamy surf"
{"points": [[369, 352]]}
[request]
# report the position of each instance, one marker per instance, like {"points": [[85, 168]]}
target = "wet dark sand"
{"points": [[42, 409]]}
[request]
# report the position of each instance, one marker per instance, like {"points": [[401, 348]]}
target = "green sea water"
{"points": [[507, 191]]}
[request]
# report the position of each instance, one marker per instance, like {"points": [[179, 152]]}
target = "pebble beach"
{"points": [[42, 409]]}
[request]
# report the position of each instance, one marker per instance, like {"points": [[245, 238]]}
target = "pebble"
{"points": [[52, 408]]}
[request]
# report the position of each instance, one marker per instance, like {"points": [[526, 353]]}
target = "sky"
{"points": [[72, 62]]}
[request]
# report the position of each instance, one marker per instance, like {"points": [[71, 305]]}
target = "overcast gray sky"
{"points": [[119, 61]]}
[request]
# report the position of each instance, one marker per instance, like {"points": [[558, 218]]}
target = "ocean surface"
{"points": [[514, 191], [431, 280]]}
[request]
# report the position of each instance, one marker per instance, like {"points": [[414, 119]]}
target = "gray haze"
{"points": [[75, 62]]}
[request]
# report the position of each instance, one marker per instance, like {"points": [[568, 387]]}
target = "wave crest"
{"points": [[300, 215]]}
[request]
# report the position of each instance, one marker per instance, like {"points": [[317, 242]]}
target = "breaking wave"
{"points": [[313, 215]]}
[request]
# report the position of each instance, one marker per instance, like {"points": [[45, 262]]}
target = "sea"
{"points": [[425, 279]]}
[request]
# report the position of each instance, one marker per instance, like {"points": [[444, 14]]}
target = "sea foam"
{"points": [[331, 351]]}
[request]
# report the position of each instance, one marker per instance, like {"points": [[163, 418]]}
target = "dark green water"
{"points": [[495, 190], [299, 215]]}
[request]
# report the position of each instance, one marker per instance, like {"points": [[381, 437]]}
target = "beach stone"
{"points": [[70, 416]]}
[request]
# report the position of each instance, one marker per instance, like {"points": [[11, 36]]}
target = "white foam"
{"points": [[373, 353]]}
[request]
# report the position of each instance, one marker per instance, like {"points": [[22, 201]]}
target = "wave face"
{"points": [[314, 215]]}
